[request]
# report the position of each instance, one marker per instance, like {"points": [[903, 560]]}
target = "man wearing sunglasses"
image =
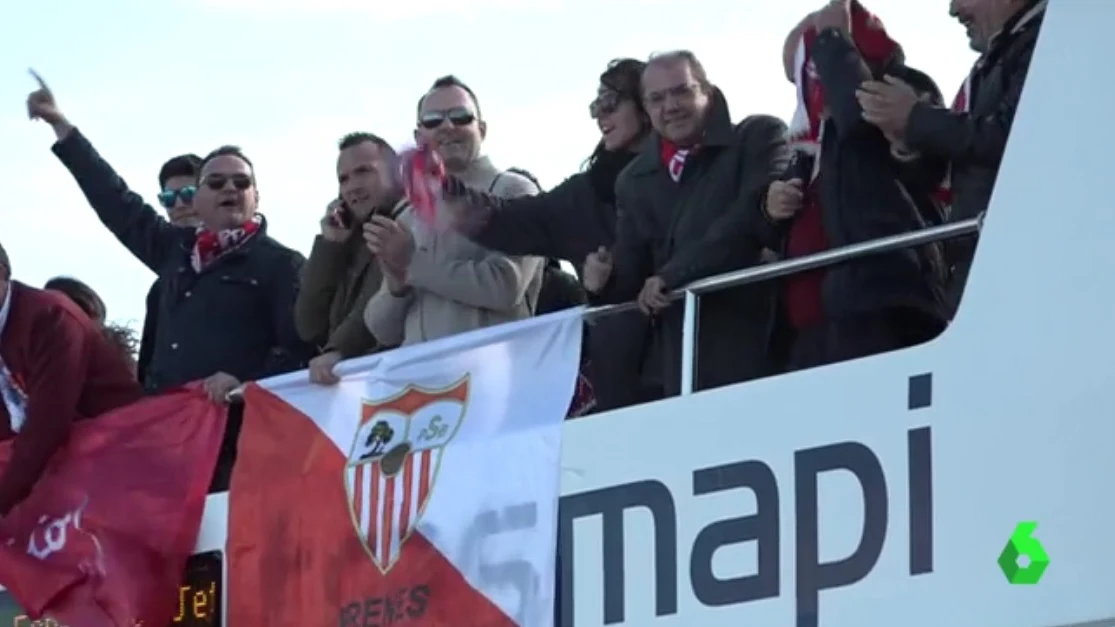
{"points": [[177, 186], [688, 208], [226, 300], [439, 283]]}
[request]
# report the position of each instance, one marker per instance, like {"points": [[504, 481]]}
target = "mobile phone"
{"points": [[343, 216]]}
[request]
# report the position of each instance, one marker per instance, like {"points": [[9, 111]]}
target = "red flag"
{"points": [[296, 556], [103, 538]]}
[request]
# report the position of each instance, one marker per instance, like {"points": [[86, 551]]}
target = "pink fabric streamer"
{"points": [[422, 174]]}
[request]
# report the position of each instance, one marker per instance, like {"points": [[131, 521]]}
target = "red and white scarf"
{"points": [[807, 127], [210, 246], [674, 157], [423, 178], [12, 388]]}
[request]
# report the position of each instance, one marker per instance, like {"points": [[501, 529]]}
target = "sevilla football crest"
{"points": [[394, 461]]}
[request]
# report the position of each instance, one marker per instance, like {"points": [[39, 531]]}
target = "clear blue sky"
{"points": [[285, 78]]}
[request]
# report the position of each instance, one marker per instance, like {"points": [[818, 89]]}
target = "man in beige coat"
{"points": [[341, 274], [436, 282]]}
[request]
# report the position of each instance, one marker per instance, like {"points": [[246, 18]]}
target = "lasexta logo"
{"points": [[1024, 559]]}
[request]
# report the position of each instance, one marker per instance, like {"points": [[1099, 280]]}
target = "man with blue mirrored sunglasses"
{"points": [[177, 186]]}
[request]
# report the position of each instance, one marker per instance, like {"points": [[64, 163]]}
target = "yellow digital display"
{"points": [[199, 598]]}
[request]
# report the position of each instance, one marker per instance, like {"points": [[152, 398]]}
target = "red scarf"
{"points": [[674, 157], [584, 396], [423, 176], [803, 292], [874, 45], [210, 246]]}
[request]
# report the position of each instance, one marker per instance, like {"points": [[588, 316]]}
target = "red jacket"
{"points": [[67, 369]]}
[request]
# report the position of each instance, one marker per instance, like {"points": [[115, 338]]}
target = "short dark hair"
{"points": [[182, 165], [449, 80], [5, 265], [683, 56], [359, 137], [227, 150]]}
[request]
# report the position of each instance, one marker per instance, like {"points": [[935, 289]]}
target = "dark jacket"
{"points": [[236, 316], [866, 193], [147, 337], [974, 142], [699, 227], [67, 370], [569, 222], [560, 290], [338, 280]]}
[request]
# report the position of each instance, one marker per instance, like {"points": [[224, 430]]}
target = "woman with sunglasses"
{"points": [[578, 216], [574, 219]]}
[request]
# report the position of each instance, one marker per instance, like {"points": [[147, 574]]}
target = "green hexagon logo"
{"points": [[1023, 544]]}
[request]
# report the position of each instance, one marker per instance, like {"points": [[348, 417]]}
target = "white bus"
{"points": [[882, 491]]}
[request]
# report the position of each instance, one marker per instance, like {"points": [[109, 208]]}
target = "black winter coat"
{"points": [[703, 225], [974, 142], [569, 222], [866, 193], [236, 316]]}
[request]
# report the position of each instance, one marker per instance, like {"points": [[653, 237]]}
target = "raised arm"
{"points": [[140, 228], [841, 69], [550, 224]]}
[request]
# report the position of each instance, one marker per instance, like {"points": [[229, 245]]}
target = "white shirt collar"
{"points": [[5, 307], [13, 398]]}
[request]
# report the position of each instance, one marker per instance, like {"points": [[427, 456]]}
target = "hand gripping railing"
{"points": [[780, 269], [775, 270]]}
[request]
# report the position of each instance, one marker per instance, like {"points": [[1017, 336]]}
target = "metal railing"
{"points": [[765, 272], [780, 269]]}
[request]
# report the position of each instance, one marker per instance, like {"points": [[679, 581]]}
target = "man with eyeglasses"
{"points": [[688, 209], [437, 282], [225, 311]]}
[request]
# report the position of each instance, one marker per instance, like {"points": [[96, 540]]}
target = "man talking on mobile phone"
{"points": [[341, 274]]}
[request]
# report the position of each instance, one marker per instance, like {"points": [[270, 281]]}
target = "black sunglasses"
{"points": [[169, 197], [605, 104], [458, 117], [217, 182]]}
